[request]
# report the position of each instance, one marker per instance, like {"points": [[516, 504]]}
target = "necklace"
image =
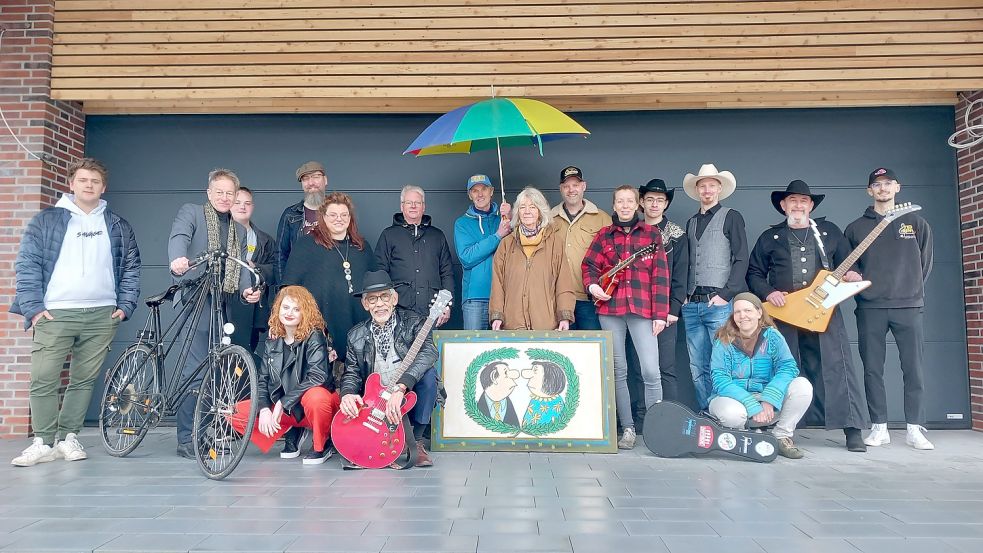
{"points": [[805, 235], [346, 265]]}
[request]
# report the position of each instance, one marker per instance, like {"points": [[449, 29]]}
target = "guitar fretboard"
{"points": [[860, 249], [412, 352], [631, 258]]}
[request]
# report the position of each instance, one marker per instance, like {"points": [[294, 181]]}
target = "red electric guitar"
{"points": [[369, 440], [612, 277]]}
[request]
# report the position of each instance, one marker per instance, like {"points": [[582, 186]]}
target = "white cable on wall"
{"points": [[974, 133], [4, 118]]}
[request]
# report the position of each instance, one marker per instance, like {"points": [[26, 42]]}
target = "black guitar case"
{"points": [[672, 430]]}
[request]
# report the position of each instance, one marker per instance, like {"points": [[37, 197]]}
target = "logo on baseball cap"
{"points": [[881, 173], [571, 171], [478, 179]]}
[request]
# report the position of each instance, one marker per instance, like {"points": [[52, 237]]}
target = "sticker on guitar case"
{"points": [[688, 429], [705, 439], [764, 449], [727, 441]]}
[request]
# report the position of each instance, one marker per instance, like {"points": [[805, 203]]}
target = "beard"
{"points": [[314, 199], [798, 220]]}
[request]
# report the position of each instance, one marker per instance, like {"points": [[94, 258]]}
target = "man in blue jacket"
{"points": [[476, 237], [78, 277]]}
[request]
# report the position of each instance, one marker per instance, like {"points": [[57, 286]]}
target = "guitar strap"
{"points": [[819, 242]]}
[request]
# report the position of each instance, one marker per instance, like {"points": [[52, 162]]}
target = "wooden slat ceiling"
{"points": [[274, 56]]}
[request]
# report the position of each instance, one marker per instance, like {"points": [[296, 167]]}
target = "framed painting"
{"points": [[526, 391]]}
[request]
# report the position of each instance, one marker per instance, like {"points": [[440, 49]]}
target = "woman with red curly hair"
{"points": [[296, 390]]}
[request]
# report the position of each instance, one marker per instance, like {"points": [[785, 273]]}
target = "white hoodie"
{"points": [[83, 274]]}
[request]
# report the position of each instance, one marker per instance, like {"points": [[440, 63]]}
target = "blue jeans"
{"points": [[426, 397], [702, 321], [475, 314], [586, 316]]}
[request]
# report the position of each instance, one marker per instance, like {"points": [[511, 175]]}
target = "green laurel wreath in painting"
{"points": [[471, 379], [571, 400]]}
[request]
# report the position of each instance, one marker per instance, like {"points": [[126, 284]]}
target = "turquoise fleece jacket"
{"points": [[767, 373]]}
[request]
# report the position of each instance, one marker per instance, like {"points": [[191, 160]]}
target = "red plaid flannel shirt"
{"points": [[644, 286]]}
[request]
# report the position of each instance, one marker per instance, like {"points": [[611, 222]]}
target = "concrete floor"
{"points": [[891, 500]]}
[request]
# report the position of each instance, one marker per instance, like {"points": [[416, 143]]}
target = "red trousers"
{"points": [[319, 404]]}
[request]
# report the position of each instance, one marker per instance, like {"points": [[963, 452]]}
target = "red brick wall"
{"points": [[970, 162], [55, 131]]}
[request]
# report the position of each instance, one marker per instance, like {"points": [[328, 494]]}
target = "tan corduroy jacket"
{"points": [[577, 236], [533, 293]]}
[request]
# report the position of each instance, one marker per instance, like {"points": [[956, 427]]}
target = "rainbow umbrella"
{"points": [[495, 123]]}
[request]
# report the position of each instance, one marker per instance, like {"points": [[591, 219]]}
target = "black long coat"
{"points": [[840, 401]]}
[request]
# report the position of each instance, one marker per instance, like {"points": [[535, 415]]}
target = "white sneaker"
{"points": [[627, 440], [70, 448], [878, 435], [37, 453], [915, 438]]}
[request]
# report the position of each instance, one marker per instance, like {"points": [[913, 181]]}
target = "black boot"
{"points": [[854, 440], [291, 445]]}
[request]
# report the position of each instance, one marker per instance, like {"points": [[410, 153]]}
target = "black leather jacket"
{"points": [[361, 352], [285, 376]]}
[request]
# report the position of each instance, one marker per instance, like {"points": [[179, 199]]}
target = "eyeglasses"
{"points": [[337, 216], [219, 194], [651, 200], [311, 176], [372, 300], [412, 203]]}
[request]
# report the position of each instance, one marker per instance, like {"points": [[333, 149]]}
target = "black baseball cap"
{"points": [[571, 171], [881, 172]]}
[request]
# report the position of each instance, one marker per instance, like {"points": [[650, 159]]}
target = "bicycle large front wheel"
{"points": [[225, 413], [131, 401]]}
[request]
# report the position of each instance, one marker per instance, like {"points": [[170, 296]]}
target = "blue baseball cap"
{"points": [[478, 179]]}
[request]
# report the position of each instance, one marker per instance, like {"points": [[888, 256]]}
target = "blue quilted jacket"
{"points": [[767, 373], [41, 245]]}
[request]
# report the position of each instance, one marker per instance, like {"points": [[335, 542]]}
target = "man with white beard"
{"points": [[786, 258], [303, 215]]}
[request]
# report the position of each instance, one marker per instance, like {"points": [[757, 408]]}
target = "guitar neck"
{"points": [[860, 249], [628, 261], [411, 354]]}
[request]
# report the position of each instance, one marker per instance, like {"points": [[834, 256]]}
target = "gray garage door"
{"points": [[159, 162]]}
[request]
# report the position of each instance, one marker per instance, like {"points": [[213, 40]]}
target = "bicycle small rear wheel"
{"points": [[130, 401], [226, 384]]}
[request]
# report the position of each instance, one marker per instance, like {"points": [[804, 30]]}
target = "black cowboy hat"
{"points": [[795, 187], [657, 185], [375, 281]]}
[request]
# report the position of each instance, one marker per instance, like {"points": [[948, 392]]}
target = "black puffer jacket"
{"points": [[418, 260], [285, 375], [361, 352]]}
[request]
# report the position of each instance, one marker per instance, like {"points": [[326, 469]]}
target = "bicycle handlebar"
{"points": [[216, 255]]}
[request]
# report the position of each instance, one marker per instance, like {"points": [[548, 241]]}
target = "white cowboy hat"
{"points": [[708, 171]]}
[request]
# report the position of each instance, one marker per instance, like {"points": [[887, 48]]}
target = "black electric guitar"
{"points": [[672, 430]]}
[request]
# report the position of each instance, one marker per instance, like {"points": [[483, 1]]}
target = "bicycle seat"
{"points": [[167, 295]]}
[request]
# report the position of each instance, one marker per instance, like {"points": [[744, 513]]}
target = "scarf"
{"points": [[230, 284], [529, 243], [624, 224], [383, 335]]}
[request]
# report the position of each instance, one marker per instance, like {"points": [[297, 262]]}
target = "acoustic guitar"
{"points": [[811, 308], [611, 278], [370, 440]]}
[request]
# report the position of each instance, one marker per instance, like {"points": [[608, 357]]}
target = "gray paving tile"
{"points": [[609, 513], [756, 529], [493, 527], [234, 543], [153, 543], [852, 517], [484, 501], [698, 515], [697, 544], [576, 527], [938, 530], [523, 513], [516, 543], [329, 528], [901, 545], [79, 541], [805, 545], [847, 530], [409, 528], [608, 544], [346, 544], [570, 502], [432, 543], [944, 517], [965, 545], [670, 528]]}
